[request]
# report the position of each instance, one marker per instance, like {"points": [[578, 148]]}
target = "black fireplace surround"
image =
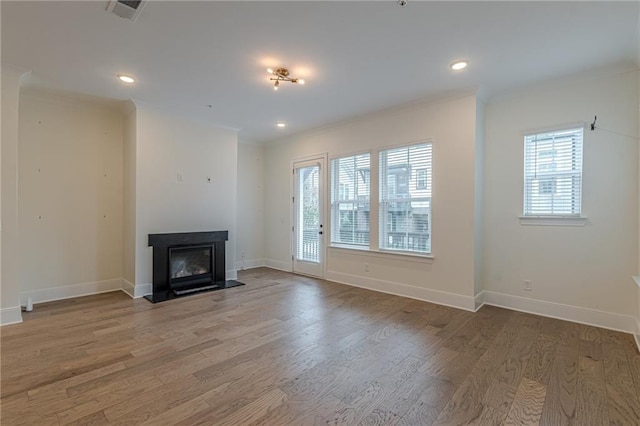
{"points": [[188, 262]]}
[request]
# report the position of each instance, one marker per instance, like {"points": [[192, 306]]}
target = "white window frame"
{"points": [[530, 175], [384, 223], [337, 197]]}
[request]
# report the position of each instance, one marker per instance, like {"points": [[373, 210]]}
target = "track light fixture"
{"points": [[282, 74]]}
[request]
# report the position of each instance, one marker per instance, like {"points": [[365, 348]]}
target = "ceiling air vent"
{"points": [[127, 9]]}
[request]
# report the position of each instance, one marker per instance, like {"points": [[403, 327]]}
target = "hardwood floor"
{"points": [[286, 349]]}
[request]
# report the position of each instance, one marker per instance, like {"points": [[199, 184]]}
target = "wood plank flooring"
{"points": [[291, 350]]}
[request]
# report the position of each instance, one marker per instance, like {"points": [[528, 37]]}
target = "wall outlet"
{"points": [[366, 267], [179, 177], [527, 285]]}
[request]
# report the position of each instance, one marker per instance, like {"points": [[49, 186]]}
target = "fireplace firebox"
{"points": [[189, 266], [188, 262]]}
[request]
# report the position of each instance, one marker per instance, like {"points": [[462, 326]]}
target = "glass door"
{"points": [[308, 212]]}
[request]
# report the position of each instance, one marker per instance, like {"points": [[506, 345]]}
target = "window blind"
{"points": [[350, 200], [405, 198], [553, 173]]}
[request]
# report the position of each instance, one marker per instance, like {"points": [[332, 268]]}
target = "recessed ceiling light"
{"points": [[459, 65], [126, 78], [281, 124]]}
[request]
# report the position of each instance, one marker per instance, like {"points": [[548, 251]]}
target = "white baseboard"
{"points": [[428, 295], [279, 265], [479, 301], [250, 264], [136, 291], [231, 274], [128, 287], [609, 320], [142, 290], [10, 315], [68, 291]]}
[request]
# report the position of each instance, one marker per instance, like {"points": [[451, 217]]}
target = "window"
{"points": [[405, 198], [350, 182], [553, 173]]}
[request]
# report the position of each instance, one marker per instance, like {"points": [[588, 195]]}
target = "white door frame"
{"points": [[320, 159]]}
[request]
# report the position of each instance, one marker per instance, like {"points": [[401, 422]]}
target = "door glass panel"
{"points": [[308, 246]]}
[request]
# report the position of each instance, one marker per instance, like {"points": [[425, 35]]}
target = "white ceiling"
{"points": [[357, 57]]}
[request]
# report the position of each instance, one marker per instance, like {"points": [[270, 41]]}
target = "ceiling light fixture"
{"points": [[126, 78], [282, 74], [459, 65], [281, 124]]}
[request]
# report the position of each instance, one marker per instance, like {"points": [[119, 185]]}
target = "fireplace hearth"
{"points": [[187, 263]]}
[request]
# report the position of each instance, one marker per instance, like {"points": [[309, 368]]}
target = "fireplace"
{"points": [[190, 266], [188, 262]]}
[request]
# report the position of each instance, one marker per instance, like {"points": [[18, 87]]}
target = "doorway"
{"points": [[308, 217]]}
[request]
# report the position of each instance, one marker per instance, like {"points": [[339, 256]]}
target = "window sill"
{"points": [[349, 247], [553, 220], [403, 256]]}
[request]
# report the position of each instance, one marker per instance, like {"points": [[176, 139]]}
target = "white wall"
{"points": [[451, 126], [586, 267], [251, 187], [9, 272], [129, 197], [167, 146], [69, 197], [638, 269], [478, 220]]}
